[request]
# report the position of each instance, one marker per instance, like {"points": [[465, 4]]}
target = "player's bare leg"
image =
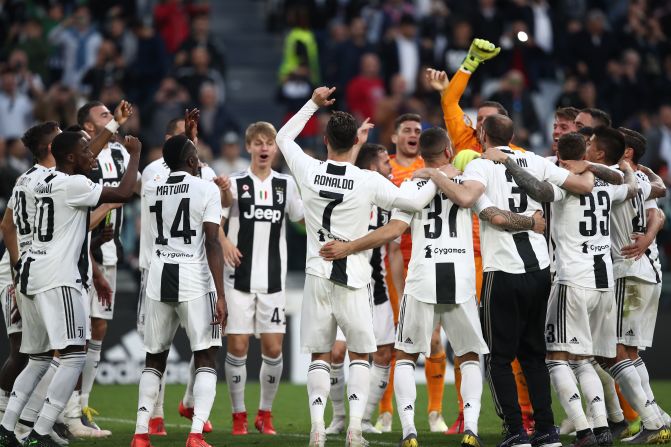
{"points": [[236, 378], [337, 392], [434, 369], [379, 381], [269, 377]]}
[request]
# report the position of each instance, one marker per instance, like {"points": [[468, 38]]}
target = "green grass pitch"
{"points": [[117, 406]]}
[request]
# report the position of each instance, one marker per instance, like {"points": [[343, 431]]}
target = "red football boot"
{"points": [[187, 413], [240, 423], [157, 427], [140, 440], [528, 423], [458, 426], [264, 422], [196, 440]]}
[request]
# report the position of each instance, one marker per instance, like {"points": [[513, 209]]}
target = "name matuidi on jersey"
{"points": [[334, 182], [166, 190]]}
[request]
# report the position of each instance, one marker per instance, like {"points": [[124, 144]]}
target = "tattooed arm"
{"points": [[658, 187], [605, 173], [536, 189], [510, 221]]}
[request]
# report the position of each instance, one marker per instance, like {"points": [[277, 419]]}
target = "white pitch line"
{"points": [[289, 435]]}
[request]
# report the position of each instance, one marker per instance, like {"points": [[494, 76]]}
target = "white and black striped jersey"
{"points": [[581, 233], [111, 164], [378, 218], [156, 171], [652, 253], [5, 271], [628, 218], [520, 251], [59, 253], [22, 204], [442, 265], [178, 207], [337, 198], [257, 226]]}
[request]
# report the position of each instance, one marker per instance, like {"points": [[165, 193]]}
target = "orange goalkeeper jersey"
{"points": [[400, 173]]}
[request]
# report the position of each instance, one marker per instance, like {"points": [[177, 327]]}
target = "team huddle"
{"points": [[545, 268]]}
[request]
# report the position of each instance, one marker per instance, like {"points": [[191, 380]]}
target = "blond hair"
{"points": [[260, 128]]}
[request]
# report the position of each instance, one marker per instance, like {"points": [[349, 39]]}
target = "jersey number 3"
{"points": [[182, 218]]}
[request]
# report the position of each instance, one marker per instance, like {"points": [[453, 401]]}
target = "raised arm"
{"points": [[215, 260], [9, 235], [121, 114], [507, 220], [463, 194], [629, 179], [413, 201], [387, 233], [658, 186], [98, 214], [124, 192]]}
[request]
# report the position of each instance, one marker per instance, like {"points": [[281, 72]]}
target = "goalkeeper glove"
{"points": [[481, 50]]}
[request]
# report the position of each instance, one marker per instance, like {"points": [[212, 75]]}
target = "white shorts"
{"points": [[637, 304], [141, 301], [53, 320], [327, 305], [255, 313], [97, 309], [461, 322], [195, 316], [383, 325], [7, 302], [580, 321]]}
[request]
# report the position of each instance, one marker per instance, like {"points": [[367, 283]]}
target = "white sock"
{"points": [[337, 393], [406, 394], [73, 409], [4, 398], [204, 390], [187, 400], [627, 377], [613, 407], [34, 405], [236, 378], [471, 393], [592, 389], [158, 407], [150, 382], [319, 382], [357, 392], [564, 383], [379, 379], [60, 389], [90, 370], [269, 376], [24, 385]]}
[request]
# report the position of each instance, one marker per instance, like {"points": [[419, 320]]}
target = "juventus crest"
{"points": [[280, 195]]}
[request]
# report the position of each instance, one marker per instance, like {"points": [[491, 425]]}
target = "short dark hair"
{"points": [[611, 142], [602, 118], [497, 105], [176, 150], [171, 128], [74, 128], [571, 146], [567, 113], [634, 140], [499, 128], [63, 144], [36, 139], [368, 154], [432, 143], [84, 112], [406, 117], [586, 131], [341, 131]]}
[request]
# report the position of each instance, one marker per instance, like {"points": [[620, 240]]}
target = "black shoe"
{"points": [[620, 430], [7, 438], [62, 430], [470, 439], [585, 438], [603, 436], [36, 440], [517, 439], [661, 435], [547, 438], [409, 441]]}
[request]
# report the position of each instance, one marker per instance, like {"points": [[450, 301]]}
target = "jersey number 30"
{"points": [[182, 218]]}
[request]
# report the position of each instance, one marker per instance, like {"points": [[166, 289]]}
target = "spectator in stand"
{"points": [[215, 119], [32, 41], [624, 89], [516, 99], [170, 101], [293, 93], [462, 35], [171, 19], [125, 40], [79, 41], [27, 82], [594, 47], [658, 153], [300, 47], [16, 109], [391, 107], [200, 37], [151, 64], [108, 69], [58, 104], [230, 156], [365, 90], [569, 96], [489, 21], [434, 29], [200, 72], [662, 84], [402, 54]]}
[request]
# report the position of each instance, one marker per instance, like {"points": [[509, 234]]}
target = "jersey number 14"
{"points": [[182, 217]]}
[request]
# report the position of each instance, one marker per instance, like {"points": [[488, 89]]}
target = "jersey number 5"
{"points": [[522, 207], [181, 217]]}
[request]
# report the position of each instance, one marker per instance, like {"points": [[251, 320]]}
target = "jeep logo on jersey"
{"points": [[263, 213]]}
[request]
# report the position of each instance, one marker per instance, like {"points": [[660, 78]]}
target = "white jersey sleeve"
{"points": [[82, 192], [212, 213], [550, 171], [207, 173], [226, 212], [295, 204], [476, 170], [298, 161]]}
